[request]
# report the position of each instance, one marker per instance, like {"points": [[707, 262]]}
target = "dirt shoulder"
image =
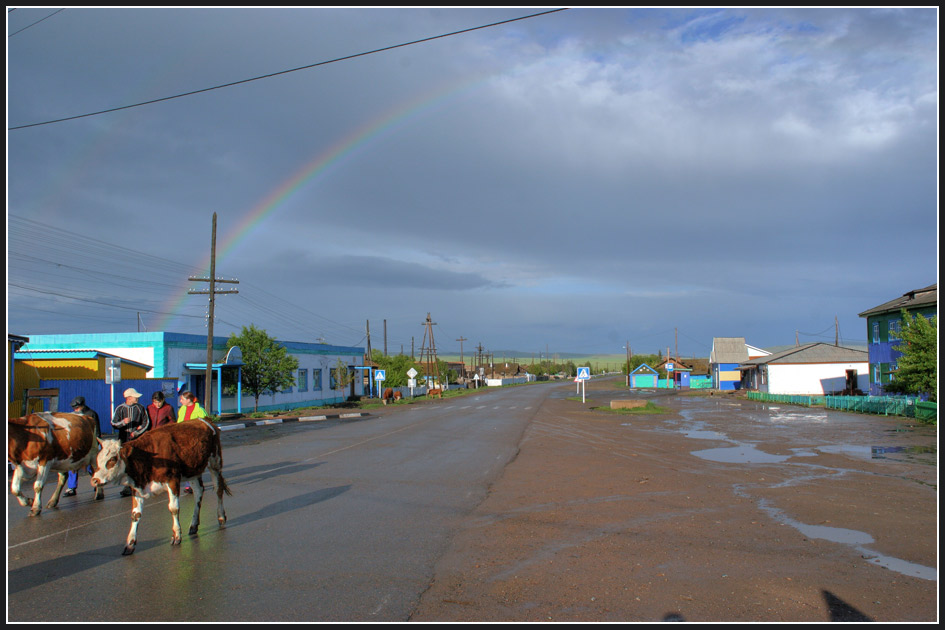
{"points": [[612, 518]]}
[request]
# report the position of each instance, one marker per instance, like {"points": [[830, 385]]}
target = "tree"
{"points": [[918, 365], [341, 375], [267, 366], [395, 366]]}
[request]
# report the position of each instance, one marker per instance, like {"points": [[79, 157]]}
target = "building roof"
{"points": [[818, 352], [917, 298], [728, 350], [678, 365], [643, 367], [153, 339], [48, 355]]}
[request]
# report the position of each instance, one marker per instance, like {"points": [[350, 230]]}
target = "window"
{"points": [[875, 332], [302, 380], [316, 380], [894, 328]]}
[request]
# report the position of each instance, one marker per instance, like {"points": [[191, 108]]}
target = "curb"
{"points": [[257, 423]]}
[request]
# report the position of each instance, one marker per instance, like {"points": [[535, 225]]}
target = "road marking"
{"points": [[70, 529]]}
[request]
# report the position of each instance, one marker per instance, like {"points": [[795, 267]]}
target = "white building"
{"points": [[811, 369], [184, 358]]}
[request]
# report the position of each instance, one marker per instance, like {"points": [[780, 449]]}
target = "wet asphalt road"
{"points": [[345, 520], [331, 521]]}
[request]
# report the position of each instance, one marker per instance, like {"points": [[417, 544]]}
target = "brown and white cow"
{"points": [[387, 396], [160, 460], [44, 442], [435, 393], [398, 395]]}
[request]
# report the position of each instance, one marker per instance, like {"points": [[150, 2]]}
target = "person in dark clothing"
{"points": [[131, 419], [79, 407]]}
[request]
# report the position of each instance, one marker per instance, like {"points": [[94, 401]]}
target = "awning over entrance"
{"points": [[232, 360]]}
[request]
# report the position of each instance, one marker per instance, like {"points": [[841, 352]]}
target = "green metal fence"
{"points": [[906, 406], [700, 382], [788, 399], [926, 411], [881, 405]]}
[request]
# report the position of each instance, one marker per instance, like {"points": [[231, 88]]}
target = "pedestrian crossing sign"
{"points": [[584, 373]]}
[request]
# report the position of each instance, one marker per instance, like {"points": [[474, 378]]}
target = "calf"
{"points": [[398, 396], [159, 460], [43, 442], [388, 395], [438, 393]]}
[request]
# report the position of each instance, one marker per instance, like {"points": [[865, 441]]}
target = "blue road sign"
{"points": [[380, 375], [584, 373]]}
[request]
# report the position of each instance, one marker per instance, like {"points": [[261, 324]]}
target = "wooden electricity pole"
{"points": [[207, 397]]}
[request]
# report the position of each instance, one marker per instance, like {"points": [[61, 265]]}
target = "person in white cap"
{"points": [[131, 420]]}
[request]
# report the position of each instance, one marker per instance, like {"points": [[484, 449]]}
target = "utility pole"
{"points": [[478, 358], [368, 357], [385, 339], [428, 353], [463, 363], [836, 324], [207, 397], [628, 363]]}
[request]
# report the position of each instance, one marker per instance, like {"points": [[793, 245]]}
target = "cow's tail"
{"points": [[225, 488], [218, 455]]}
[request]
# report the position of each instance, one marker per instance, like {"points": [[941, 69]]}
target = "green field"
{"points": [[597, 362]]}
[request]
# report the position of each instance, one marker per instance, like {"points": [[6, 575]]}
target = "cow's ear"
{"points": [[100, 442]]}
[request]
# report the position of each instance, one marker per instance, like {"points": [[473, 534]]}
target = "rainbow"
{"points": [[322, 163]]}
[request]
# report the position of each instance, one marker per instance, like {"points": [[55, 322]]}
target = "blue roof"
{"points": [[642, 366]]}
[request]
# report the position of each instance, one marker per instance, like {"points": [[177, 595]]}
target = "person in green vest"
{"points": [[189, 409]]}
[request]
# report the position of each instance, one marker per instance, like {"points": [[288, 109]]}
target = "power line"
{"points": [[34, 23], [75, 265], [281, 72]]}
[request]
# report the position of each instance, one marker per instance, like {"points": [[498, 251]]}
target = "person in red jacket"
{"points": [[160, 411]]}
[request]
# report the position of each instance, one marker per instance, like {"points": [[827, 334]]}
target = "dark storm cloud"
{"points": [[564, 177]]}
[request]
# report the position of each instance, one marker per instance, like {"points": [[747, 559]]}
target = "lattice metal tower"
{"points": [[431, 367]]}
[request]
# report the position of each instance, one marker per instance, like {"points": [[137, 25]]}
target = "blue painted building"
{"points": [[727, 354], [183, 357], [882, 323]]}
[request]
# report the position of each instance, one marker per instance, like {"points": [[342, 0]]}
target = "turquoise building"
{"points": [[883, 321]]}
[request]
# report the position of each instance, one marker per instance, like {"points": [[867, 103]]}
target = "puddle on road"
{"points": [[880, 452], [742, 454], [877, 452], [700, 434], [856, 539], [844, 449]]}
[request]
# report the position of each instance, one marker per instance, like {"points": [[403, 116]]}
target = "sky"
{"points": [[573, 182]]}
